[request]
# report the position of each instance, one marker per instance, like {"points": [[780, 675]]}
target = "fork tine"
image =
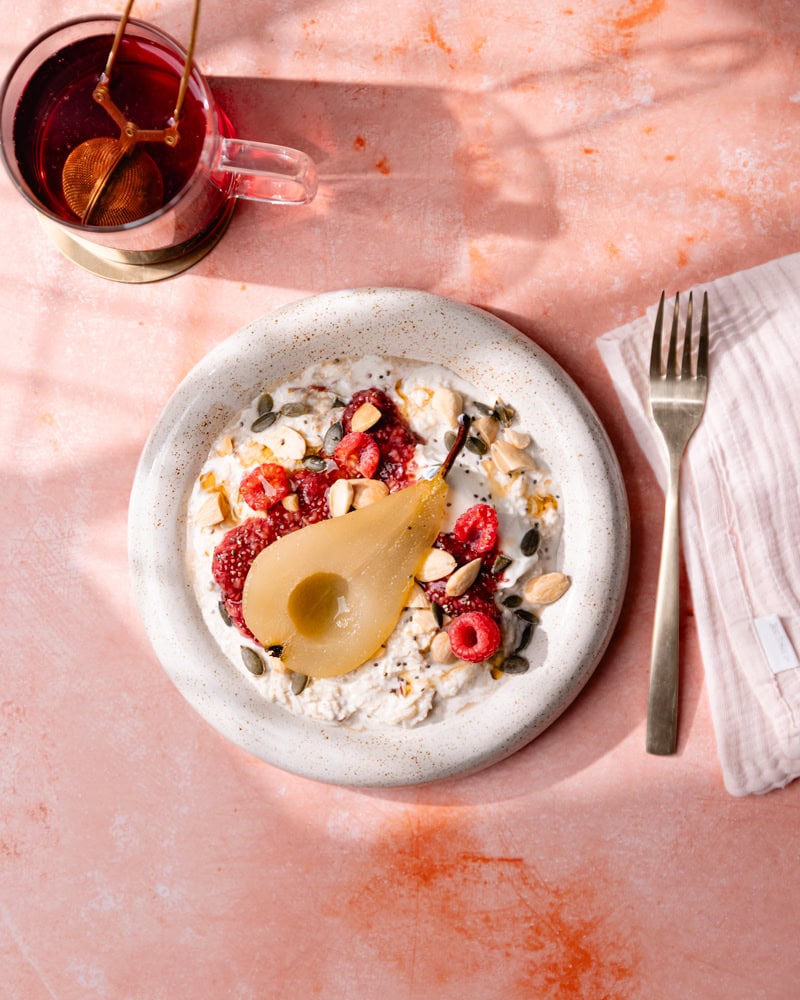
{"points": [[686, 362], [702, 349], [672, 352], [655, 352]]}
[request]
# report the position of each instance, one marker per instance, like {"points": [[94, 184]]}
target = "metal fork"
{"points": [[677, 401]]}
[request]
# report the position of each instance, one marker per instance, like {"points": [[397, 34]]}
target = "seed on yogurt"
{"points": [[265, 404], [264, 421], [530, 542], [252, 661]]}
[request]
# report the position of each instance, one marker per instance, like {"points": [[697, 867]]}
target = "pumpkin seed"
{"points": [[525, 638], [338, 404], [333, 436], [298, 683], [477, 446], [500, 563], [505, 413], [484, 410], [252, 660], [449, 440], [512, 601], [295, 409], [263, 422], [530, 542], [526, 616], [515, 664], [224, 613], [438, 614], [315, 462], [275, 650], [264, 404]]}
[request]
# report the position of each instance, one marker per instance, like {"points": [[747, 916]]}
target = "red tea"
{"points": [[57, 112]]}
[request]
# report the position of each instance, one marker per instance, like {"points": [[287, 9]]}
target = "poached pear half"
{"points": [[331, 593]]}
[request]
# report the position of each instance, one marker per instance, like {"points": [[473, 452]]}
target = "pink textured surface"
{"points": [[558, 164]]}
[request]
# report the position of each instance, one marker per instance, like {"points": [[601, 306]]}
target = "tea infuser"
{"points": [[111, 182]]}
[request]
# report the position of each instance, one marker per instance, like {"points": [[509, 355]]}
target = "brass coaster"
{"points": [[137, 267]]}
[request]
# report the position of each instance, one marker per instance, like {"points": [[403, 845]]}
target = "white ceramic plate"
{"points": [[490, 355]]}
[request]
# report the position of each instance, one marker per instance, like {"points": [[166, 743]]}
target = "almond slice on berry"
{"points": [[435, 566], [463, 578], [365, 416]]}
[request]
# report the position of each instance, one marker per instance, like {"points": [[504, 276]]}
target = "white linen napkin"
{"points": [[740, 511]]}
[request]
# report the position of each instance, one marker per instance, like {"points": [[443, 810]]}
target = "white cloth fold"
{"points": [[740, 509]]}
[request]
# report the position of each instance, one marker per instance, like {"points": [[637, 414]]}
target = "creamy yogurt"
{"points": [[405, 685]]}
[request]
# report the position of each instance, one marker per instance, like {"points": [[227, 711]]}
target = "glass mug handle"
{"points": [[261, 171]]}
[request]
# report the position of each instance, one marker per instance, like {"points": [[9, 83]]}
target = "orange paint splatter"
{"points": [[626, 19], [669, 157], [683, 258], [383, 165], [613, 250], [359, 142], [589, 150], [463, 915], [649, 129], [432, 35]]}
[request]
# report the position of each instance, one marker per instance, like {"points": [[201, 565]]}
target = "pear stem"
{"points": [[461, 439]]}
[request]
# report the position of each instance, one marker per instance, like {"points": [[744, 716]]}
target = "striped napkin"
{"points": [[740, 513]]}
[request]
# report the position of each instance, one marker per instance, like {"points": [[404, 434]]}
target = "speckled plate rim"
{"points": [[499, 361]]}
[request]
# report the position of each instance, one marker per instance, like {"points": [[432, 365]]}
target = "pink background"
{"points": [[558, 164]]}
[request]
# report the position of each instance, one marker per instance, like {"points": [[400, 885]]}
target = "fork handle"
{"points": [[662, 706]]}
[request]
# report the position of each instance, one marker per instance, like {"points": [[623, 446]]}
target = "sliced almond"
{"points": [[416, 597], [291, 502], [509, 459], [448, 403], [340, 497], [254, 453], [436, 565], [441, 651], [225, 447], [546, 589], [366, 416], [463, 578], [486, 428], [368, 491], [286, 443], [518, 439], [424, 620], [214, 510], [208, 481]]}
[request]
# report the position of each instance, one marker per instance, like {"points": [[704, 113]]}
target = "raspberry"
{"points": [[474, 637], [357, 455], [477, 528], [265, 486], [234, 555]]}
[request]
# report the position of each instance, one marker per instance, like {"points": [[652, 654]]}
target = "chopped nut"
{"points": [[226, 447], [436, 564], [416, 597], [463, 578], [286, 443], [546, 589], [214, 510], [291, 502], [441, 651], [448, 403], [423, 620], [254, 453], [518, 439], [208, 481], [367, 491], [486, 428], [366, 416], [340, 497], [509, 459]]}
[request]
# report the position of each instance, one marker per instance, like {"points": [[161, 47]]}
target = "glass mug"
{"points": [[48, 110]]}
